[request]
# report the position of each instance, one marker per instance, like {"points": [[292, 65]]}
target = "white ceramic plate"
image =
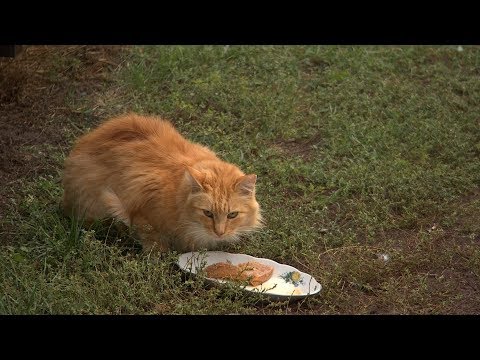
{"points": [[286, 281]]}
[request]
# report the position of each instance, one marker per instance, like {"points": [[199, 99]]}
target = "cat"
{"points": [[177, 195]]}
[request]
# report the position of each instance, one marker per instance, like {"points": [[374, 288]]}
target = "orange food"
{"points": [[253, 272]]}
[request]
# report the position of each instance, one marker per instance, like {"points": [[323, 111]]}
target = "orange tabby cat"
{"points": [[176, 194]]}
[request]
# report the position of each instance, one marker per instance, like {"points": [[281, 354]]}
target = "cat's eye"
{"points": [[208, 213], [232, 215]]}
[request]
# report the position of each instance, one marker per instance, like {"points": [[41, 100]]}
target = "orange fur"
{"points": [[141, 171]]}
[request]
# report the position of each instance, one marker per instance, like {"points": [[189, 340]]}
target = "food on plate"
{"points": [[221, 270], [253, 272]]}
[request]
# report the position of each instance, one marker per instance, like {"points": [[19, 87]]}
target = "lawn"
{"points": [[368, 176]]}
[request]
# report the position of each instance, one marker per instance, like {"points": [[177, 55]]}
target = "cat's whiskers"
{"points": [[198, 234], [248, 230], [203, 238]]}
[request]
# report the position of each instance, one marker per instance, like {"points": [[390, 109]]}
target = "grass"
{"points": [[359, 151]]}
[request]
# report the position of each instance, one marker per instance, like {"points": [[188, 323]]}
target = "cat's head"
{"points": [[221, 204]]}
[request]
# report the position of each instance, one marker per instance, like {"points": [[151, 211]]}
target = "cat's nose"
{"points": [[219, 232], [219, 228]]}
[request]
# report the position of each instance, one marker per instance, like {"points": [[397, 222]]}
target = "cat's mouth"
{"points": [[219, 237], [222, 237]]}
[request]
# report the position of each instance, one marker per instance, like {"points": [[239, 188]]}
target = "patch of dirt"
{"points": [[314, 64], [440, 57], [37, 90], [302, 148]]}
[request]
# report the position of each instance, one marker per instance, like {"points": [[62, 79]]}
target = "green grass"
{"points": [[359, 151]]}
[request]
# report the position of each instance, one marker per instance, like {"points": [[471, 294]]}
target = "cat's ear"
{"points": [[195, 179], [246, 184]]}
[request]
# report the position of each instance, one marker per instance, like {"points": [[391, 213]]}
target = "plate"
{"points": [[286, 281]]}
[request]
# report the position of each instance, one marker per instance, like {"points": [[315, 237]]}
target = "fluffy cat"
{"points": [[175, 193]]}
